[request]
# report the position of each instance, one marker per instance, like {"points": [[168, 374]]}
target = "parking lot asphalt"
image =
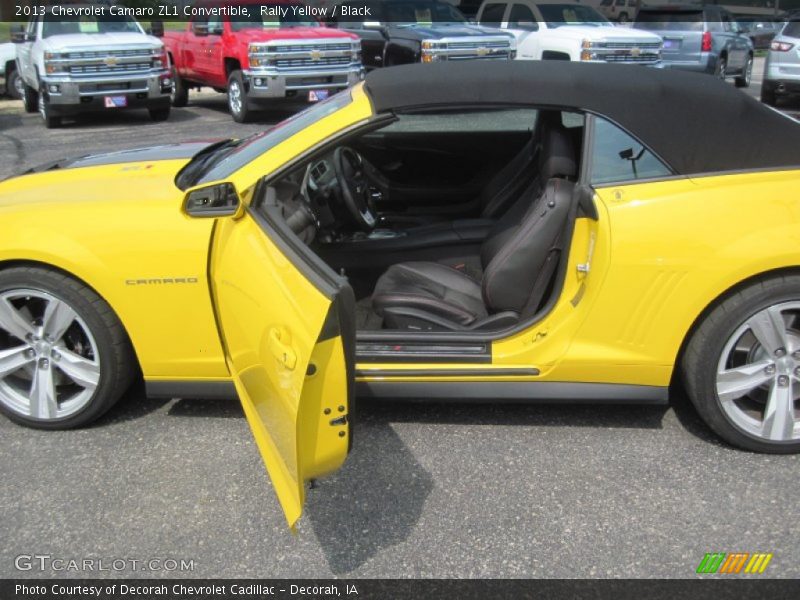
{"points": [[429, 490]]}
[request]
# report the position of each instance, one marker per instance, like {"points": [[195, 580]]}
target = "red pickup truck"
{"points": [[258, 50]]}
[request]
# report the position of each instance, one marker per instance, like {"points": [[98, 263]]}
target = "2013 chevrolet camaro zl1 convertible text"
{"points": [[534, 231]]}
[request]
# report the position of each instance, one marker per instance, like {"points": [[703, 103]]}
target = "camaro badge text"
{"points": [[161, 281]]}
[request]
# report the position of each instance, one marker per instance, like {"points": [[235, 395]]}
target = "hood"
{"points": [[97, 41], [135, 184], [437, 32], [310, 34], [137, 156], [617, 34]]}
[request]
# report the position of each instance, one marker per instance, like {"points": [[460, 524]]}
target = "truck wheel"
{"points": [[237, 98], [159, 114], [66, 357], [180, 93], [14, 85], [51, 121], [30, 99]]}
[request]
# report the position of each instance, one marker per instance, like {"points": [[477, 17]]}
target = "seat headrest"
{"points": [[558, 154]]}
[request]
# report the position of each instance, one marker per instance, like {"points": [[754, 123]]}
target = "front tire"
{"points": [[180, 93], [64, 356], [741, 367], [30, 99], [743, 80], [50, 120], [237, 98]]}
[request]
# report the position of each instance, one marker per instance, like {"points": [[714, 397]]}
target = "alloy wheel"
{"points": [[19, 86], [49, 361], [235, 97], [758, 375]]}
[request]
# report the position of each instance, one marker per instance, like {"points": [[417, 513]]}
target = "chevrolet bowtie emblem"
{"points": [[316, 54], [110, 61], [483, 51]]}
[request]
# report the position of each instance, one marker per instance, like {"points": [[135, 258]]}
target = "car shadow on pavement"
{"points": [[374, 502], [687, 416], [132, 406], [543, 415]]}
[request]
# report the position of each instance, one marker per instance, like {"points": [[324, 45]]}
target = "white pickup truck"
{"points": [[566, 30], [93, 63], [10, 83]]}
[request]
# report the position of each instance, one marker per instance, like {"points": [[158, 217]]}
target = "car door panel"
{"points": [[289, 336]]}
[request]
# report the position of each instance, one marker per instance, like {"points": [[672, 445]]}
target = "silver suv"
{"points": [[782, 69], [700, 38]]}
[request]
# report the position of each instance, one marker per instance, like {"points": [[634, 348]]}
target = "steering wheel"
{"points": [[354, 186]]}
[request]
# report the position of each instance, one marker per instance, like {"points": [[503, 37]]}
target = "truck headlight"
{"points": [[430, 50], [53, 64], [160, 59], [255, 56], [356, 51]]}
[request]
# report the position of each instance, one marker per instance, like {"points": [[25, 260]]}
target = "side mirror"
{"points": [[18, 35], [157, 28], [212, 200], [200, 29]]}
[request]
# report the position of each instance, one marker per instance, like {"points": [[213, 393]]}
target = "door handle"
{"points": [[279, 345]]}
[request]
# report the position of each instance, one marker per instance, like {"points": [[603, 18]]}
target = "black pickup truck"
{"points": [[397, 32]]}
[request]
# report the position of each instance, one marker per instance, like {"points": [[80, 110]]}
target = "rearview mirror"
{"points": [[157, 28], [213, 200], [200, 29]]}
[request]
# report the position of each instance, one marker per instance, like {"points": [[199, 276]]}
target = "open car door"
{"points": [[288, 327]]}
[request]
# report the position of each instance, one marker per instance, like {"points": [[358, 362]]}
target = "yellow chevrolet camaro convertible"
{"points": [[510, 232]]}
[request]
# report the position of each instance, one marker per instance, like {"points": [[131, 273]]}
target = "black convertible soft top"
{"points": [[696, 123]]}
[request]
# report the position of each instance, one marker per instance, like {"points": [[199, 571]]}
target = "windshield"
{"points": [[231, 157], [556, 15], [670, 20], [271, 16], [422, 13], [54, 25]]}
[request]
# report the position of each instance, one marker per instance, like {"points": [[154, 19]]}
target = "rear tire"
{"points": [[180, 93], [744, 352], [237, 98], [721, 70], [743, 80], [78, 361], [14, 85]]}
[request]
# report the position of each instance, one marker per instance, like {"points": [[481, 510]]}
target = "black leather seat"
{"points": [[542, 157], [519, 260]]}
